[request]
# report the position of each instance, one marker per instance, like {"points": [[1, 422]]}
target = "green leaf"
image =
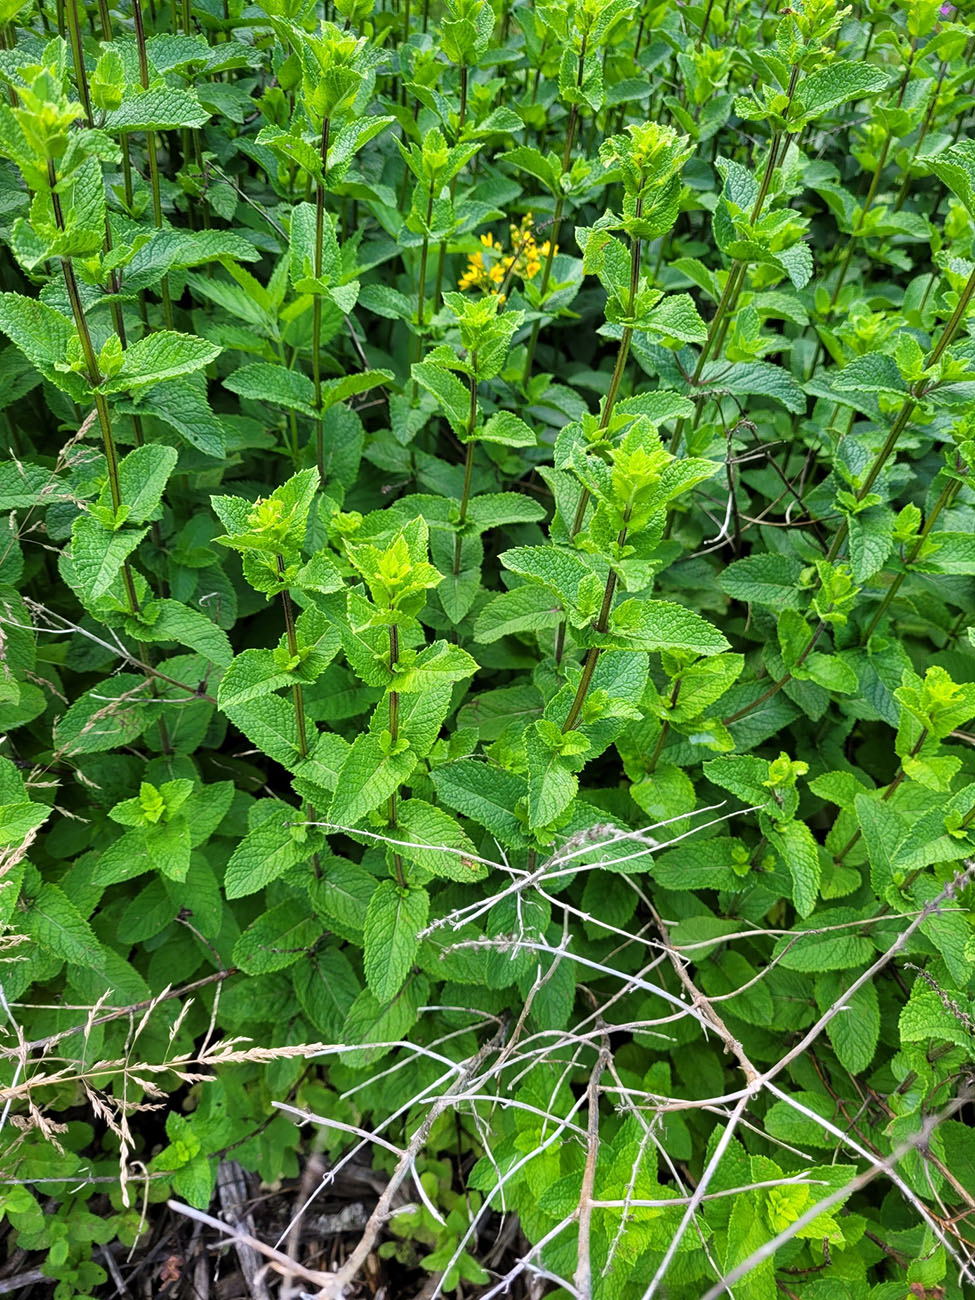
{"points": [[453, 397], [160, 108], [764, 579], [372, 1023], [832, 942], [266, 852], [837, 83], [955, 167], [368, 777], [277, 939], [486, 794], [143, 474], [500, 509], [432, 834], [57, 927], [394, 920], [524, 609], [271, 725], [39, 331], [552, 782], [853, 1033], [175, 622], [662, 625], [18, 821], [97, 555], [160, 356], [275, 384], [755, 379], [795, 845], [437, 664], [107, 716], [506, 429], [362, 381]]}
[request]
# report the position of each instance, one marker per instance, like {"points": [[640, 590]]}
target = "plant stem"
{"points": [[854, 838], [297, 690], [140, 39], [420, 300], [461, 119], [907, 410], [664, 732], [316, 307], [468, 466], [601, 625], [556, 220], [77, 53], [948, 494], [394, 733], [718, 327]]}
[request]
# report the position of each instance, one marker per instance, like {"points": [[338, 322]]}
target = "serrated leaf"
{"points": [[368, 777], [57, 927], [160, 356], [265, 853], [764, 579], [160, 108], [97, 554], [394, 918], [663, 625], [837, 83], [795, 845], [436, 842], [277, 939], [486, 794]]}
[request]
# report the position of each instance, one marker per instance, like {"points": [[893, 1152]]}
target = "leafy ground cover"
{"points": [[486, 657]]}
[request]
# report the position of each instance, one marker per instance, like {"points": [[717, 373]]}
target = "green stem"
{"points": [[77, 53], [854, 838], [140, 40], [442, 252], [297, 690], [907, 410], [316, 307], [468, 466], [601, 625], [948, 494], [394, 734], [556, 220], [664, 731], [420, 299]]}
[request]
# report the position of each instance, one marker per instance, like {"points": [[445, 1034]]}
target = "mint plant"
{"points": [[487, 665]]}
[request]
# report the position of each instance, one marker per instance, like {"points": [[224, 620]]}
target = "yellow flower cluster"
{"points": [[494, 266]]}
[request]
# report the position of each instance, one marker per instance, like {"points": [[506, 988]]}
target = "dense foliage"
{"points": [[485, 653]]}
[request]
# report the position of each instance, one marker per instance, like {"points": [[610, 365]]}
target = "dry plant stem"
{"points": [[182, 992], [698, 1000], [316, 307], [917, 1142], [335, 1284], [583, 1273], [278, 1260]]}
